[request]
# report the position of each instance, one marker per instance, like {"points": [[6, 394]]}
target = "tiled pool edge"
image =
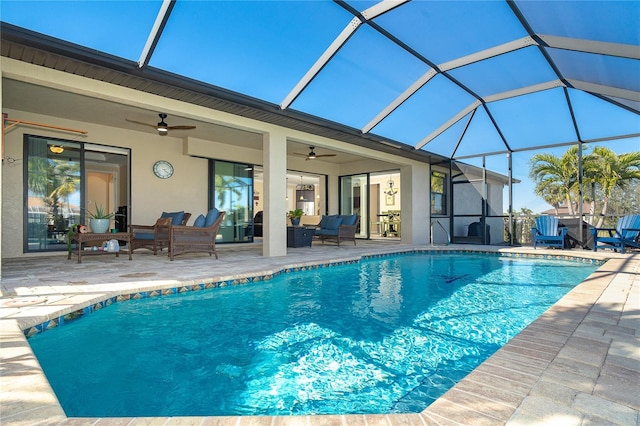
{"points": [[44, 411], [71, 314]]}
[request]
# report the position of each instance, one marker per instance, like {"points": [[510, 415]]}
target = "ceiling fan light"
{"points": [[162, 130], [312, 155]]}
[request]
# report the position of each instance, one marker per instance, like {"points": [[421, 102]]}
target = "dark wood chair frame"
{"points": [[160, 231], [192, 239]]}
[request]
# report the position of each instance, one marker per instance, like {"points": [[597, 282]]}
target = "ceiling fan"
{"points": [[312, 155], [162, 127]]}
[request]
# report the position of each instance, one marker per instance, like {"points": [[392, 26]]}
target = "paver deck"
{"points": [[578, 364]]}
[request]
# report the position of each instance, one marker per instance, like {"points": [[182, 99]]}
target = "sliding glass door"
{"points": [[62, 180], [233, 193], [53, 191], [354, 199]]}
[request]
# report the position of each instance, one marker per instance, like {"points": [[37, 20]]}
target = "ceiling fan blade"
{"points": [[140, 122], [300, 154], [325, 155], [180, 127]]}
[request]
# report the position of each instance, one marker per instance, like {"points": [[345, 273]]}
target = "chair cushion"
{"points": [[144, 236], [200, 221], [333, 222], [349, 220], [176, 217], [326, 232], [212, 215]]}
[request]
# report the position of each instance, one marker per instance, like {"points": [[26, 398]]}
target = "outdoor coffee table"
{"points": [[92, 236]]}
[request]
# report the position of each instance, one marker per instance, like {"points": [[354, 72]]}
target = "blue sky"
{"points": [[263, 48]]}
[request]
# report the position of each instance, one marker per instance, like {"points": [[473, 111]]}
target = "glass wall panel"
{"points": [[384, 206], [52, 184], [233, 193], [354, 199], [306, 192]]}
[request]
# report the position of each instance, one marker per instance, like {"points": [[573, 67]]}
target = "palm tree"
{"points": [[53, 181], [556, 177], [611, 171]]}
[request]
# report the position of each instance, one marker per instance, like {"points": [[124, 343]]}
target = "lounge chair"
{"points": [[548, 233], [625, 234], [338, 228], [156, 237], [201, 237]]}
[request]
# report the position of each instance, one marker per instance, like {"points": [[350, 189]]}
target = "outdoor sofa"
{"points": [[338, 228]]}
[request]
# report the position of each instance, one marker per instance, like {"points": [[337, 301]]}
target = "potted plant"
{"points": [[100, 219], [295, 216]]}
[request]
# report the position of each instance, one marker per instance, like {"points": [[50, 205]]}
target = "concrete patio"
{"points": [[578, 364]]}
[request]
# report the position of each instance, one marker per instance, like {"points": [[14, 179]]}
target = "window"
{"points": [[438, 195]]}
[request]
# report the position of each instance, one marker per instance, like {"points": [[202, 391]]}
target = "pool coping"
{"points": [[501, 390]]}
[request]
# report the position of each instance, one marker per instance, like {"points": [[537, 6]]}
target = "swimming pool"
{"points": [[396, 333]]}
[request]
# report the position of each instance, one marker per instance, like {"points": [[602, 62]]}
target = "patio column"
{"points": [[415, 204], [274, 158]]}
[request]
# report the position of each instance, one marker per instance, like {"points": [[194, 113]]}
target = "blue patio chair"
{"points": [[548, 233], [625, 234]]}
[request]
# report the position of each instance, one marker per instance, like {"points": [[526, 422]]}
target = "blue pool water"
{"points": [[386, 335]]}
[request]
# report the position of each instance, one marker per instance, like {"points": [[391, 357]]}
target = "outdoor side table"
{"points": [[92, 236], [299, 236]]}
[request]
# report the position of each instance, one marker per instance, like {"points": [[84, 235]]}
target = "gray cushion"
{"points": [[200, 221], [176, 217], [212, 215], [333, 223]]}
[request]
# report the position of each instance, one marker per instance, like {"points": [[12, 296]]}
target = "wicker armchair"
{"points": [[156, 236], [195, 239]]}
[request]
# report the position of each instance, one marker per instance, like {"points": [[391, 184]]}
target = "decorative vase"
{"points": [[99, 226], [295, 222]]}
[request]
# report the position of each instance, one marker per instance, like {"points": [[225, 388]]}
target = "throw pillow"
{"points": [[200, 221], [212, 215]]}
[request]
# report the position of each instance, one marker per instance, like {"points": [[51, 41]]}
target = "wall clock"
{"points": [[163, 169]]}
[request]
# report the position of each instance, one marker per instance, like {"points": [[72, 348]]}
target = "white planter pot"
{"points": [[99, 226]]}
